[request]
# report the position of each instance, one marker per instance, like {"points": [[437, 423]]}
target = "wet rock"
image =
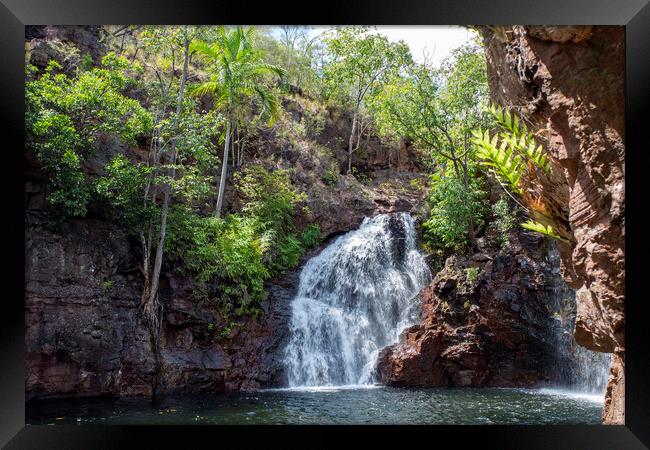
{"points": [[499, 332]]}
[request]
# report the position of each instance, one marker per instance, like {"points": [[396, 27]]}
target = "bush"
{"points": [[228, 250], [331, 177], [64, 116], [310, 236], [241, 251], [454, 207], [123, 188]]}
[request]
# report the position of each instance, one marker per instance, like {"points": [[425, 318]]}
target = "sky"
{"points": [[437, 41]]}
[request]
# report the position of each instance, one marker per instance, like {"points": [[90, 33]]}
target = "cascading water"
{"points": [[354, 299], [591, 370], [580, 370]]}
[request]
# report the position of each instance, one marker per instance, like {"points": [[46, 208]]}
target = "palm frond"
{"points": [[211, 88], [208, 51]]}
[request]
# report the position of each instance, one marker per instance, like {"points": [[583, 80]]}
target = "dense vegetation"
{"points": [[195, 99]]}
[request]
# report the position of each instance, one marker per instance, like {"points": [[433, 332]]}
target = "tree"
{"points": [[237, 77], [437, 109], [360, 64], [150, 304], [141, 193]]}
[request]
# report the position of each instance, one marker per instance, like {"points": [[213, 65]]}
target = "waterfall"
{"points": [[577, 368], [591, 370], [354, 298]]}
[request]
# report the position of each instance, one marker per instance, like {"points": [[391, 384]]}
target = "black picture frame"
{"points": [[15, 14]]}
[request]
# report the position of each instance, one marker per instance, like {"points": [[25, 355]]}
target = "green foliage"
{"points": [[546, 230], [268, 196], [270, 199], [291, 48], [501, 160], [505, 219], [454, 208], [518, 163], [107, 285], [310, 236], [64, 116], [123, 188], [360, 176], [359, 62], [435, 108], [226, 249], [86, 62], [520, 138], [238, 74], [330, 177], [471, 273], [511, 155], [241, 251]]}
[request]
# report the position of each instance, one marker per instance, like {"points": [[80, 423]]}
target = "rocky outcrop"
{"points": [[84, 335], [67, 45], [489, 320], [569, 83], [373, 154]]}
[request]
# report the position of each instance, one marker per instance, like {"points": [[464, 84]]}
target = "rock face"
{"points": [[569, 82], [67, 45], [84, 336], [373, 155], [489, 320]]}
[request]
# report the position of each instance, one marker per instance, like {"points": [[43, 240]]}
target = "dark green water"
{"points": [[333, 406]]}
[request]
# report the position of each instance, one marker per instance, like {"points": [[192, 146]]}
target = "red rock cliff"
{"points": [[569, 83]]}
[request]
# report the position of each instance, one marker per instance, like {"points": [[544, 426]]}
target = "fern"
{"points": [[500, 160], [513, 155], [519, 138], [540, 228]]}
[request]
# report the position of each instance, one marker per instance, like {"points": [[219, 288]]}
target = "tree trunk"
{"points": [[224, 169], [351, 140], [165, 208]]}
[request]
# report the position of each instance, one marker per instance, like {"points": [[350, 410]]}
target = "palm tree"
{"points": [[238, 77]]}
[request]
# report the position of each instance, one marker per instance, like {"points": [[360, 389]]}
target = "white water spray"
{"points": [[354, 299]]}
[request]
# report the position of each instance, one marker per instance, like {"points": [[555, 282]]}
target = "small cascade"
{"points": [[591, 370], [579, 369], [354, 299]]}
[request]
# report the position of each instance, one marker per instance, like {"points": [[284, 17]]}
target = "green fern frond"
{"points": [[500, 160], [540, 228]]}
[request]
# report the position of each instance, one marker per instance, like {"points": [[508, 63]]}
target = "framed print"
{"points": [[379, 220]]}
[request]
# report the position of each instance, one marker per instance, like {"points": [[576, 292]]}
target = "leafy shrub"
{"points": [[454, 207], [226, 249], [241, 251], [331, 177], [310, 236], [270, 199], [123, 188], [65, 115]]}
